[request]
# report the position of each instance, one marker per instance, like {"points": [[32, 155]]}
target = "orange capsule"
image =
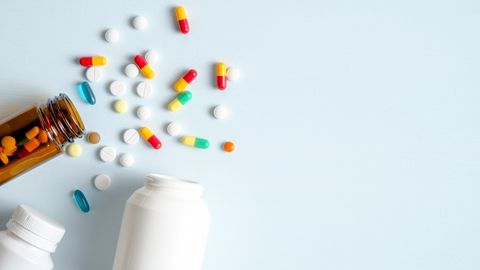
{"points": [[28, 148], [42, 136]]}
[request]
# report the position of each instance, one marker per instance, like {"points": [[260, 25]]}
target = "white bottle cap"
{"points": [[36, 228]]}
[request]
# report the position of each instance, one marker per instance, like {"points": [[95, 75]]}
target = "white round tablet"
{"points": [[112, 35], [126, 160], [144, 89], [233, 74], [94, 74], [151, 56], [174, 128], [102, 182], [131, 70], [108, 154], [131, 136], [220, 112], [143, 112], [118, 88], [139, 23]]}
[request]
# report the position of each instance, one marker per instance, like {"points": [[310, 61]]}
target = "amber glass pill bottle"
{"points": [[37, 134]]}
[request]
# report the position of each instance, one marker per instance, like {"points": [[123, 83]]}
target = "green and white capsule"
{"points": [[195, 142], [180, 100]]}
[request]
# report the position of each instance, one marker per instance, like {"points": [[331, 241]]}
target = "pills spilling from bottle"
{"points": [[126, 160], [143, 112], [151, 56], [131, 70], [102, 182], [131, 136], [120, 106], [182, 20], [94, 74], [228, 146], [107, 154], [195, 142], [74, 150], [86, 93], [174, 129], [81, 201], [93, 137], [112, 35], [139, 23], [220, 112], [179, 101], [144, 89], [117, 88], [147, 135]]}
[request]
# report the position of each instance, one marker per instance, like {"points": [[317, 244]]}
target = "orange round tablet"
{"points": [[228, 146]]}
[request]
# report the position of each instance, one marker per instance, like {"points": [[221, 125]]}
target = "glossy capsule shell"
{"points": [[81, 201], [180, 100], [144, 67], [221, 76], [86, 92], [182, 20], [89, 61], [28, 148], [183, 82], [195, 142], [147, 134]]}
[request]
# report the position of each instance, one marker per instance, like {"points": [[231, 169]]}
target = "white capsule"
{"points": [[151, 56], [220, 112], [108, 154], [131, 136], [112, 35], [102, 182], [144, 89], [94, 74], [173, 129], [233, 74], [143, 112], [139, 23], [118, 88], [126, 160], [131, 70]]}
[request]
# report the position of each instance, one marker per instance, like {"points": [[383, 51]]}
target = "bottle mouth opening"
{"points": [[160, 181]]}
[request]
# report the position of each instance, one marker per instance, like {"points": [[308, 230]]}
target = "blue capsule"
{"points": [[81, 201], [86, 92]]}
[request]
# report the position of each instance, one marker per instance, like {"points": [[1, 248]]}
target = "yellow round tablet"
{"points": [[74, 150], [120, 106]]}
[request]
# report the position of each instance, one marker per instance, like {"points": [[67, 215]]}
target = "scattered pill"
{"points": [[93, 137], [182, 20], [28, 148], [184, 81], [220, 112], [143, 112], [107, 154], [89, 61], [139, 23], [120, 106], [151, 56], [74, 150], [131, 70], [32, 133], [86, 93], [131, 136], [221, 76], [3, 157], [81, 201], [42, 136], [148, 135], [228, 146], [144, 67], [144, 89], [112, 35], [94, 74], [126, 160], [118, 88], [195, 142], [233, 74], [9, 145], [173, 129], [180, 100], [102, 182]]}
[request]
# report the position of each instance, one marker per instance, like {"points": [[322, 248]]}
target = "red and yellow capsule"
{"points": [[221, 76], [182, 20], [148, 135], [183, 82], [89, 61], [144, 67]]}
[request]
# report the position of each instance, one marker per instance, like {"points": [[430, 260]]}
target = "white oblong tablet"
{"points": [[143, 112], [94, 74], [126, 160], [151, 56], [233, 74], [139, 23], [112, 35], [118, 88], [102, 182], [131, 136], [108, 154], [174, 128], [220, 112], [144, 89], [131, 70]]}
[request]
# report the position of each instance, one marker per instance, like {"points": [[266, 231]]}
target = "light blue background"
{"points": [[356, 124]]}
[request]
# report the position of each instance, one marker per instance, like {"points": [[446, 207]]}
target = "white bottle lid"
{"points": [[36, 228]]}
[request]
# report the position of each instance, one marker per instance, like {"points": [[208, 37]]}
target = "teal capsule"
{"points": [[81, 201], [180, 100], [86, 92]]}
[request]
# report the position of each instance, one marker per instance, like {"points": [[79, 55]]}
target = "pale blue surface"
{"points": [[356, 124]]}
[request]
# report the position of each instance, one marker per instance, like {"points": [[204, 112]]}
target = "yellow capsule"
{"points": [[188, 140], [146, 132], [221, 69], [99, 61], [180, 85], [32, 133], [174, 105], [148, 72], [181, 13]]}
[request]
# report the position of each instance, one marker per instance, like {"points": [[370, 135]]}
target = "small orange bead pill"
{"points": [[42, 136], [228, 146]]}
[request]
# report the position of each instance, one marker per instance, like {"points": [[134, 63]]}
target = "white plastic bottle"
{"points": [[164, 227], [29, 240]]}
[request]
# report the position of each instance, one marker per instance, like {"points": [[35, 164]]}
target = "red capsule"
{"points": [[89, 61]]}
